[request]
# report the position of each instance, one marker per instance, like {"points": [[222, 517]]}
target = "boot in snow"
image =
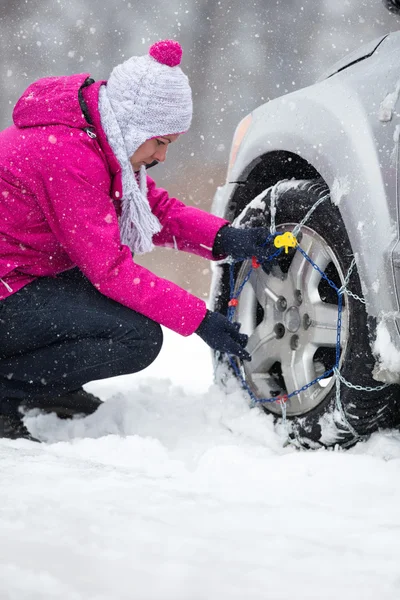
{"points": [[68, 405], [13, 428]]}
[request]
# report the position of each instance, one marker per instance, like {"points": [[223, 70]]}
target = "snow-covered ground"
{"points": [[173, 491]]}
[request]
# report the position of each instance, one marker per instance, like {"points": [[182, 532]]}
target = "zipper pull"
{"points": [[9, 289]]}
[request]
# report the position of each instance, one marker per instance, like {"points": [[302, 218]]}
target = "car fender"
{"points": [[342, 130]]}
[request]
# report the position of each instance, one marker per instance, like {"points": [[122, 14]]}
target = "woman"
{"points": [[75, 205]]}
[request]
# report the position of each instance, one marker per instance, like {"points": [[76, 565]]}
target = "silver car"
{"points": [[322, 315]]}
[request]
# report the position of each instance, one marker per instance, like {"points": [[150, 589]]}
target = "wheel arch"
{"points": [[265, 172]]}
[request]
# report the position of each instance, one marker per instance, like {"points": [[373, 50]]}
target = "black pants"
{"points": [[58, 333]]}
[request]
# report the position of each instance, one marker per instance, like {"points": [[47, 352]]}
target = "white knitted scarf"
{"points": [[137, 223]]}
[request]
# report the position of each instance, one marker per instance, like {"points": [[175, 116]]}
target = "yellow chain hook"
{"points": [[286, 240]]}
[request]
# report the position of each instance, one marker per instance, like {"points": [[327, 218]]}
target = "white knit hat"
{"points": [[145, 97], [150, 95]]}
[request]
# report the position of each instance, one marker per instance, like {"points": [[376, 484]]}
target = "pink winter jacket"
{"points": [[60, 189]]}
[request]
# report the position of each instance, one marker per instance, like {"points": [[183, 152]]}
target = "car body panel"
{"points": [[347, 127], [359, 54]]}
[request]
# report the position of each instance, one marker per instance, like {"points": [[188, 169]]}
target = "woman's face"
{"points": [[151, 150]]}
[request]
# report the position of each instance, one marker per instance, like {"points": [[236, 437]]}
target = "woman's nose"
{"points": [[161, 154]]}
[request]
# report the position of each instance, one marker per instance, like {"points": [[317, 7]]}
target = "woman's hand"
{"points": [[220, 334], [242, 243]]}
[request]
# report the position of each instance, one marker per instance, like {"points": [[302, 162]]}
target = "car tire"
{"points": [[321, 419]]}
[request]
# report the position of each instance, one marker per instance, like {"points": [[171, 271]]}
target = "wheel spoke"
{"points": [[296, 270], [323, 327], [303, 275], [297, 370], [246, 313], [264, 349], [262, 285]]}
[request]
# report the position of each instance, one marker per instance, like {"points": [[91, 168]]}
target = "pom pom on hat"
{"points": [[167, 52]]}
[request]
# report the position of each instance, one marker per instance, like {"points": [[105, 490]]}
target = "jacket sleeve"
{"points": [[74, 195], [183, 227]]}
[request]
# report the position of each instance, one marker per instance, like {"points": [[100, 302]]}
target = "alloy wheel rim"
{"points": [[291, 322]]}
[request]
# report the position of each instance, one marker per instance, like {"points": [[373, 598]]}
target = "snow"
{"points": [[387, 105], [383, 347], [175, 491], [340, 188]]}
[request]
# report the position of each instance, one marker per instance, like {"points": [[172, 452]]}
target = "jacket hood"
{"points": [[51, 101]]}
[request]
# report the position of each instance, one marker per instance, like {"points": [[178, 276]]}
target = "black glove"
{"points": [[220, 334], [243, 243]]}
